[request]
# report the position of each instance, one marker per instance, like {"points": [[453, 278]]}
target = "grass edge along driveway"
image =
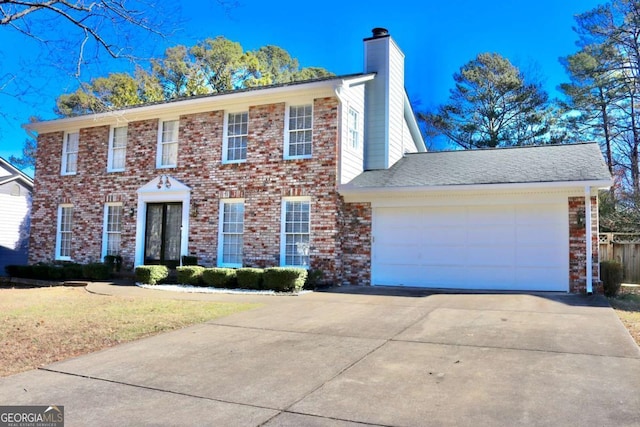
{"points": [[40, 326]]}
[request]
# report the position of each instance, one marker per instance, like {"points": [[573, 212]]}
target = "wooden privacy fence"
{"points": [[624, 248]]}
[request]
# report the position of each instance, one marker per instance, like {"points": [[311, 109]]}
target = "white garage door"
{"points": [[512, 247]]}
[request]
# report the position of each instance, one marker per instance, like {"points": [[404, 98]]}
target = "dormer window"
{"points": [[299, 131]]}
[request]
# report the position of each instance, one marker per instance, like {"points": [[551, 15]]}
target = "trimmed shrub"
{"points": [[151, 274], [23, 271], [95, 271], [190, 275], [71, 271], [249, 278], [56, 272], [220, 277], [40, 271], [284, 279], [113, 262], [15, 270], [189, 260], [611, 273], [314, 279]]}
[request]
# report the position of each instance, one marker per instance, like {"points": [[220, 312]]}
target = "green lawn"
{"points": [[44, 325]]}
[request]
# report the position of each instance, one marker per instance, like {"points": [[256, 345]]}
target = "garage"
{"points": [[493, 247], [508, 219]]}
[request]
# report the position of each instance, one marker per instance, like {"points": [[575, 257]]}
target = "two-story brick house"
{"points": [[315, 174]]}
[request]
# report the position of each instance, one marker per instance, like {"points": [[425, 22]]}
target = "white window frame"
{"points": [[284, 233], [222, 233], [59, 231], [353, 129], [64, 170], [226, 136], [106, 233], [112, 148], [162, 144], [288, 131]]}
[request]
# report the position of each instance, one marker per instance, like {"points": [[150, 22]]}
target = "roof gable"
{"points": [[14, 174]]}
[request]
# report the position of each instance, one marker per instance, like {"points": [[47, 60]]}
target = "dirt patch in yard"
{"points": [[40, 326]]}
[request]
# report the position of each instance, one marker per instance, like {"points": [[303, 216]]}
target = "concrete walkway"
{"points": [[363, 356]]}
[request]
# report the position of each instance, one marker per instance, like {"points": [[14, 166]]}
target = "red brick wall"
{"points": [[263, 180], [578, 246], [356, 243]]}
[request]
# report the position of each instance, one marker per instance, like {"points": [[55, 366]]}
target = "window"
{"points": [[70, 153], [230, 239], [117, 148], [299, 132], [236, 133], [168, 144], [112, 229], [295, 233], [354, 126], [64, 232]]}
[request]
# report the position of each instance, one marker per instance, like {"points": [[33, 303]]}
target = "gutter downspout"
{"points": [[589, 239]]}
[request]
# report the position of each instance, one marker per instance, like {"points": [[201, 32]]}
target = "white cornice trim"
{"points": [[318, 89]]}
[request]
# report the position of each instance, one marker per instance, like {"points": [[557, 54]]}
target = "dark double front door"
{"points": [[162, 234]]}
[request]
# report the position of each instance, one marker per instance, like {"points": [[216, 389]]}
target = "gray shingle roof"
{"points": [[534, 164]]}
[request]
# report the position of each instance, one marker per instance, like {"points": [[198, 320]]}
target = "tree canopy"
{"points": [[211, 66], [491, 105], [75, 32], [602, 101]]}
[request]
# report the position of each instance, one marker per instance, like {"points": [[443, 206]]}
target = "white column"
{"points": [[589, 238]]}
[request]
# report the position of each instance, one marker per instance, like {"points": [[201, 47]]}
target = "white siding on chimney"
{"points": [[351, 161], [384, 103], [396, 104], [375, 137], [407, 141]]}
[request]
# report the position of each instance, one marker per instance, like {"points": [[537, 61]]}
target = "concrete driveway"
{"points": [[360, 356]]}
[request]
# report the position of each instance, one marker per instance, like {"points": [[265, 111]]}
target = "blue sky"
{"points": [[437, 37]]}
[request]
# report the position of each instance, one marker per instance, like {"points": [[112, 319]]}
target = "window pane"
{"points": [[232, 232], [170, 154], [354, 134], [72, 142], [72, 162], [118, 148], [118, 158], [65, 231], [296, 229], [172, 232], [170, 131], [300, 130], [113, 229], [120, 137], [70, 152], [237, 134]]}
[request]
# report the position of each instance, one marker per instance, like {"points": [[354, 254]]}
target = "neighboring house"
{"points": [[328, 174], [15, 206]]}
